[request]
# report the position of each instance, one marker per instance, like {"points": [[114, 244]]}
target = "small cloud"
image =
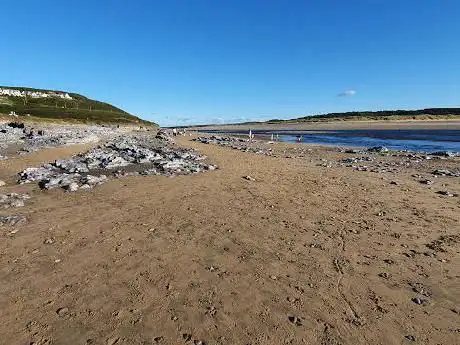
{"points": [[183, 119], [239, 119], [217, 120], [347, 93]]}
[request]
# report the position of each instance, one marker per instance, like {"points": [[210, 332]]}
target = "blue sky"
{"points": [[201, 61]]}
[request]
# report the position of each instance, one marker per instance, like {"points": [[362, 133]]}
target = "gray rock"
{"points": [[72, 187], [35, 174], [446, 193], [446, 172], [13, 200], [11, 220], [378, 149], [418, 301], [94, 180], [428, 182], [17, 203], [71, 166], [444, 154]]}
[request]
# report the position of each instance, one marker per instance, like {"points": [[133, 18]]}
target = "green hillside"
{"points": [[77, 109], [420, 114]]}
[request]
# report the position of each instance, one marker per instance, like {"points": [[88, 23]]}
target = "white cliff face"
{"points": [[33, 94]]}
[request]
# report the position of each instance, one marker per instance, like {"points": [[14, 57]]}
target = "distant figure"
{"points": [[250, 135], [299, 138], [174, 132]]}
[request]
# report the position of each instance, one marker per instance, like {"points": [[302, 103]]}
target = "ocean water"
{"points": [[424, 140]]}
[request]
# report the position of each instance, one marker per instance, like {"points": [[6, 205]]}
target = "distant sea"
{"points": [[423, 140]]}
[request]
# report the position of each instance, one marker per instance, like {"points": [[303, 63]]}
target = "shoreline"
{"points": [[398, 141], [389, 124]]}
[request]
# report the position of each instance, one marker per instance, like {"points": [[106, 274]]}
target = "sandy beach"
{"points": [[341, 125], [300, 252]]}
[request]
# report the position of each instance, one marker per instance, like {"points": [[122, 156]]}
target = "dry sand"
{"points": [[303, 255]]}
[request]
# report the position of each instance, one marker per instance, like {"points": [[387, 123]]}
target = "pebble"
{"points": [[63, 312], [187, 336], [296, 320], [249, 178], [427, 182], [2, 183], [112, 341], [410, 337], [418, 301]]}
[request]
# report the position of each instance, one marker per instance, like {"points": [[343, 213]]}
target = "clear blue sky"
{"points": [[195, 61]]}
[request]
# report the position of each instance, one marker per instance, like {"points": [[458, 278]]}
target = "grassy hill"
{"points": [[78, 109], [421, 114]]}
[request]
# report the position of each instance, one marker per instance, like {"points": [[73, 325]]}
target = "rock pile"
{"points": [[31, 139], [137, 154], [381, 159], [224, 141], [357, 160], [240, 144]]}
